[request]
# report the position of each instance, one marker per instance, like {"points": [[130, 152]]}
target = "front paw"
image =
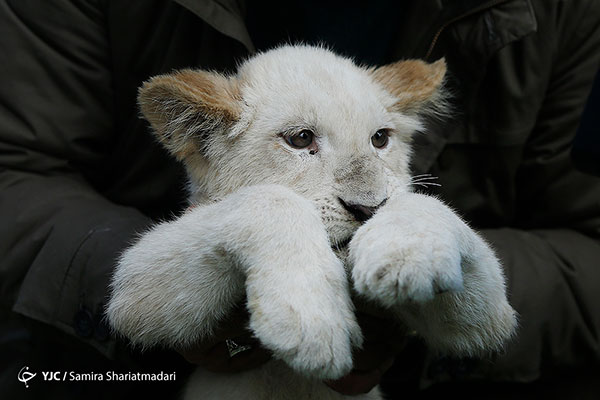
{"points": [[418, 247], [393, 265], [309, 324]]}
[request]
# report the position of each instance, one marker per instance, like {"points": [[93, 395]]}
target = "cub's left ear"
{"points": [[186, 107], [417, 85]]}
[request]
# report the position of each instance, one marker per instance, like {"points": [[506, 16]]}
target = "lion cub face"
{"points": [[301, 117]]}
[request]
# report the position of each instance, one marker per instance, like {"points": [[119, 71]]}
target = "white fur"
{"points": [[185, 275], [418, 258], [268, 216]]}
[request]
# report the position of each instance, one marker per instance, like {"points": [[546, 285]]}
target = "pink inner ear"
{"points": [[412, 82]]}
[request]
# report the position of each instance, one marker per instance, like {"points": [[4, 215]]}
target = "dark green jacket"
{"points": [[80, 174]]}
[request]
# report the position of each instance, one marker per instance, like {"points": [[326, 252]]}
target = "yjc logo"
{"points": [[25, 376]]}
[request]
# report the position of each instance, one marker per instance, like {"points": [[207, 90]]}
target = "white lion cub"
{"points": [[300, 153]]}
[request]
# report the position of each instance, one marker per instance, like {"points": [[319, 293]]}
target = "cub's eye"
{"points": [[380, 138], [301, 140]]}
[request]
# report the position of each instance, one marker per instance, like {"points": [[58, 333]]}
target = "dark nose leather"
{"points": [[360, 212]]}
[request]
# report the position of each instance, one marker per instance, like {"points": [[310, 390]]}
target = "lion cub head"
{"points": [[298, 116]]}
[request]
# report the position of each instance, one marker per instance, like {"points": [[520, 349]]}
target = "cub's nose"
{"points": [[360, 212]]}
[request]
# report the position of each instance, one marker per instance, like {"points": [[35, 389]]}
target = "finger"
{"points": [[223, 363], [372, 356], [218, 358], [233, 326], [215, 357], [356, 383], [248, 359]]}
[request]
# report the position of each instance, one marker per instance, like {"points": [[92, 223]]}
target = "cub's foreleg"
{"points": [[265, 242], [417, 257]]}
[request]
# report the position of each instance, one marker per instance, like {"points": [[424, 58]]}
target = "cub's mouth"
{"points": [[341, 232], [353, 216], [342, 218]]}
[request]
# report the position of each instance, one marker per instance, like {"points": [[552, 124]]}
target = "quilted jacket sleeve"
{"points": [[58, 236], [552, 255]]}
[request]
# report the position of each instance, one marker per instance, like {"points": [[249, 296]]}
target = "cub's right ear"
{"points": [[186, 107]]}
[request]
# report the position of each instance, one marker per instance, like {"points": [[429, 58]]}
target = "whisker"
{"points": [[420, 175], [424, 184], [423, 180]]}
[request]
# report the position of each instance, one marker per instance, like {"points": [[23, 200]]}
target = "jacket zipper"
{"points": [[446, 24]]}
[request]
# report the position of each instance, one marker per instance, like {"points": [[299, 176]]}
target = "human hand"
{"points": [[214, 354], [382, 342]]}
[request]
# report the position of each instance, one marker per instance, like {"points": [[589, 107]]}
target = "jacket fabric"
{"points": [[81, 176]]}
